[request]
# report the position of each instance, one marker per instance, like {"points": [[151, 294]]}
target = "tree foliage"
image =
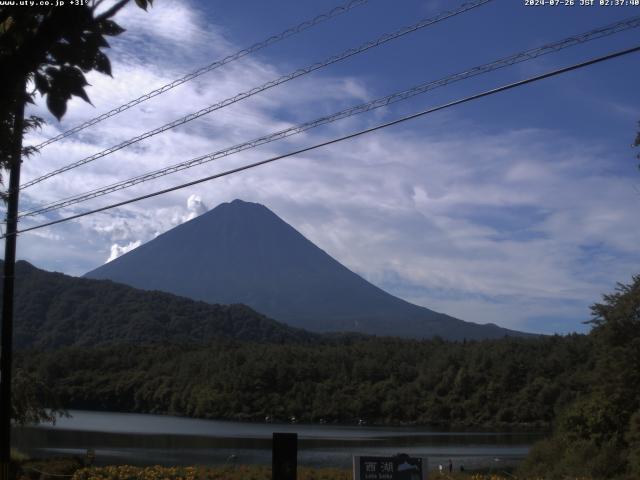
{"points": [[33, 401], [50, 48], [508, 382], [53, 310], [163, 353], [598, 435], [587, 386]]}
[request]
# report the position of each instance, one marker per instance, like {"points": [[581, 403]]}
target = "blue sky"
{"points": [[518, 209]]}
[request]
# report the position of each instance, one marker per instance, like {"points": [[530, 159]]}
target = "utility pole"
{"points": [[6, 342]]}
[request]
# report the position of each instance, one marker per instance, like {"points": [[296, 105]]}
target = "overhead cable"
{"points": [[212, 66], [523, 56], [465, 7], [340, 139]]}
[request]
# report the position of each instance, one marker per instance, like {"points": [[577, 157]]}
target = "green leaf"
{"points": [[83, 95], [143, 4], [98, 40], [109, 27], [70, 81], [102, 64], [42, 83], [56, 104], [75, 76]]}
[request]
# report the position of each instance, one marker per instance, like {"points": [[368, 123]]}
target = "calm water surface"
{"points": [[165, 440]]}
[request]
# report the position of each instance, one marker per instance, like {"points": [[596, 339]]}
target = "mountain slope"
{"points": [[242, 252], [53, 310]]}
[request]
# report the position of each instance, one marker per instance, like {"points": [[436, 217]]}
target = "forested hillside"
{"points": [[520, 382], [598, 435], [104, 346], [53, 310], [586, 387]]}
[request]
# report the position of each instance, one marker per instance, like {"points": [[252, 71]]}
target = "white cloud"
{"points": [[117, 250], [196, 207], [504, 239], [503, 226]]}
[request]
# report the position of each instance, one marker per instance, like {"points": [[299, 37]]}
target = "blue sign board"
{"points": [[398, 467]]}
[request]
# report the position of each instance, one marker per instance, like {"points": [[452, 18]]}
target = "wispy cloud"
{"points": [[118, 250], [518, 227]]}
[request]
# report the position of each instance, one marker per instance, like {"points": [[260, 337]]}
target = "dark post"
{"points": [[7, 286], [284, 462]]}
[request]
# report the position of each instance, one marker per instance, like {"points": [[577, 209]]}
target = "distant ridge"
{"points": [[242, 252], [54, 310]]}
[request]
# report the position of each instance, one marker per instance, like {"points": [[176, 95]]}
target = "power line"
{"points": [[212, 66], [283, 79], [340, 139], [600, 32]]}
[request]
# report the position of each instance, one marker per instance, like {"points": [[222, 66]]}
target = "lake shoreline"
{"points": [[535, 427], [124, 438]]}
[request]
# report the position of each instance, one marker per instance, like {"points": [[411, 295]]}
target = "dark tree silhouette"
{"points": [[49, 47], [52, 47], [598, 435]]}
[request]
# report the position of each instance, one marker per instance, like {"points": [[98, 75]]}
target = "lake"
{"points": [[157, 439]]}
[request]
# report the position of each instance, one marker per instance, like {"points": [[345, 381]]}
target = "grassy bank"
{"points": [[74, 470]]}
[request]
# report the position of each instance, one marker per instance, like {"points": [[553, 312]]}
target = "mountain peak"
{"points": [[242, 252], [239, 208], [239, 203]]}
